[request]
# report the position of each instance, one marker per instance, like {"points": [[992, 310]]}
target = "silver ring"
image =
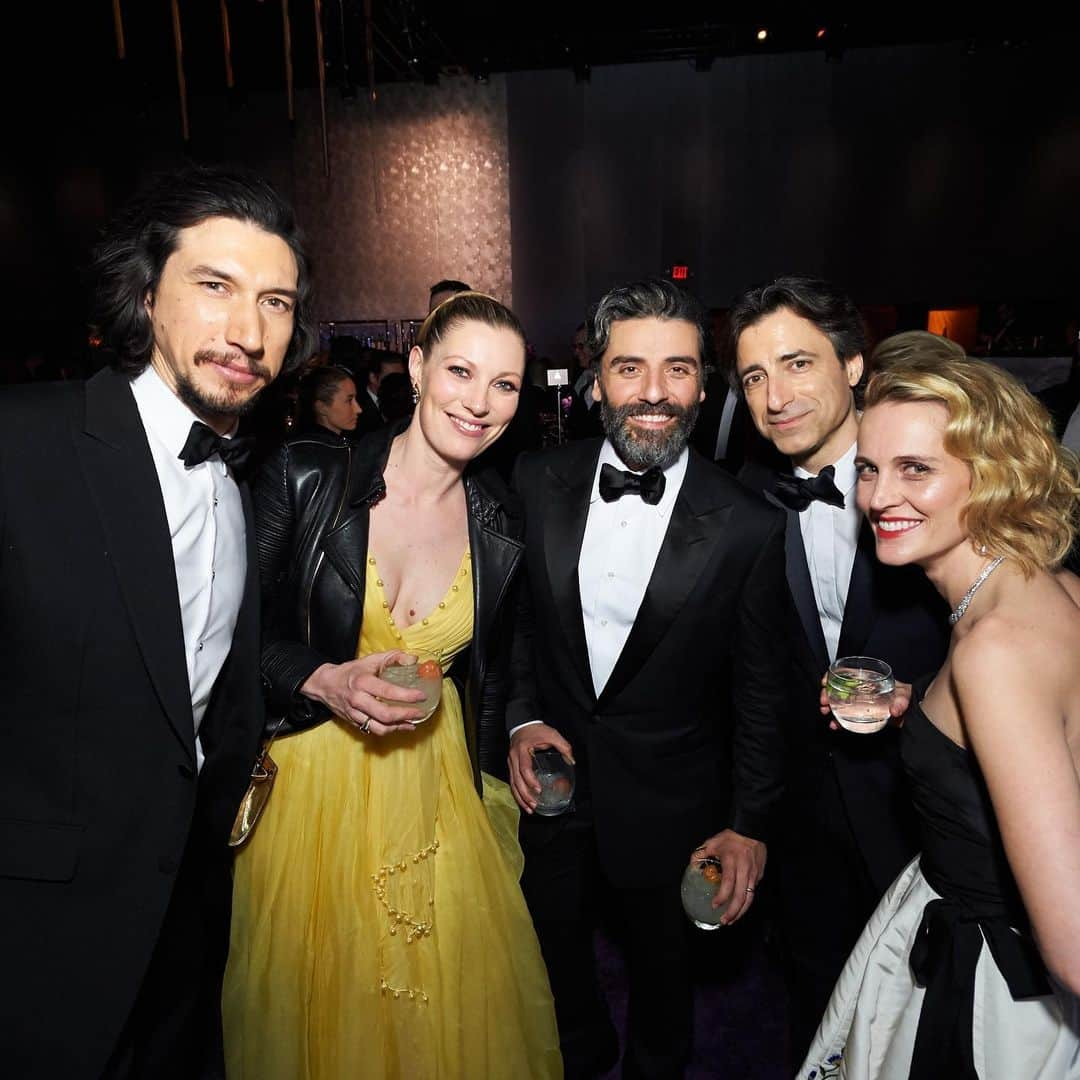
{"points": [[366, 725], [749, 888]]}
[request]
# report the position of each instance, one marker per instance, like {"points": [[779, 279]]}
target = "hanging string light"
{"points": [[181, 80]]}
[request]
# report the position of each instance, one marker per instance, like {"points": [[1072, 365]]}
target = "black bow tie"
{"points": [[203, 441], [615, 483], [797, 492]]}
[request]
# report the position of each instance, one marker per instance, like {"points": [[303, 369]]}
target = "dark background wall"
{"points": [[914, 175], [74, 158], [920, 176]]}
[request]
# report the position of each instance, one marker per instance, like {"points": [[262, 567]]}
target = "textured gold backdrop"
{"points": [[418, 190]]}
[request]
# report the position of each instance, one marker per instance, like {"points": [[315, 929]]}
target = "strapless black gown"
{"points": [[945, 981]]}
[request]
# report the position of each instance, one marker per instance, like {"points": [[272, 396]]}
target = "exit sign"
{"points": [[680, 273]]}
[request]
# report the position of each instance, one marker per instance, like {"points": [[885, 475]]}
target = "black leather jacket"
{"points": [[312, 502]]}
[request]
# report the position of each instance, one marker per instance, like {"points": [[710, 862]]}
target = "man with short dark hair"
{"points": [[129, 637], [649, 648], [376, 364], [443, 290], [795, 353]]}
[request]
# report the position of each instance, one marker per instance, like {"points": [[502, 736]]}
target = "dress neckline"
{"points": [[462, 571], [921, 712]]}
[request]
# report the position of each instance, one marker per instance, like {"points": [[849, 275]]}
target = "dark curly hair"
{"points": [[651, 298], [128, 261], [832, 311]]}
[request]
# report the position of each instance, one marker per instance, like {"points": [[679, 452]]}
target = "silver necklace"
{"points": [[960, 608]]}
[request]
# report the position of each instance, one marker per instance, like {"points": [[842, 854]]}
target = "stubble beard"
{"points": [[228, 401]]}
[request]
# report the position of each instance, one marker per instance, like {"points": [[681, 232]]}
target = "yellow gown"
{"points": [[378, 927]]}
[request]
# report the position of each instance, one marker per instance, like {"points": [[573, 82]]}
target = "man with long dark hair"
{"points": [[129, 637], [650, 648]]}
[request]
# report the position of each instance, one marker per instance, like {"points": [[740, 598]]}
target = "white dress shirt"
{"points": [[830, 536], [206, 526], [618, 552]]}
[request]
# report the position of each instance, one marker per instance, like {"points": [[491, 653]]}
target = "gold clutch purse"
{"points": [[255, 798]]}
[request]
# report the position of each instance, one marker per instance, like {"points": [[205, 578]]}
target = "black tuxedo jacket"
{"points": [[894, 614], [99, 795], [686, 737]]}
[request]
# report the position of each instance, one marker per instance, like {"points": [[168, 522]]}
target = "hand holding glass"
{"points": [[555, 776], [700, 883], [425, 674], [859, 691]]}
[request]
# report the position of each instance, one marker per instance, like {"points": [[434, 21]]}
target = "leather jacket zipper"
{"points": [[322, 554]]}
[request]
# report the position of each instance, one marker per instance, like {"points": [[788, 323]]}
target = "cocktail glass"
{"points": [[700, 883], [859, 690], [425, 674], [556, 778]]}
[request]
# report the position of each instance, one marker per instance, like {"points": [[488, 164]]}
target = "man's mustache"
{"points": [[237, 361], [643, 408]]}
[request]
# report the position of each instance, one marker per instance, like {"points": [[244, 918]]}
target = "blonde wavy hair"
{"points": [[1025, 486]]}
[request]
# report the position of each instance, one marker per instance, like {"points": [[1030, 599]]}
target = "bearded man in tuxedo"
{"points": [[129, 652], [650, 648]]}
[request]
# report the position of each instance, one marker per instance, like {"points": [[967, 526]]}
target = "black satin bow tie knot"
{"points": [[203, 441], [615, 483], [798, 492]]}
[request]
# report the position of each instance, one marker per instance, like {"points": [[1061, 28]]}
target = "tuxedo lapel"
{"points": [[695, 519], [860, 604], [568, 489], [121, 477], [802, 588]]}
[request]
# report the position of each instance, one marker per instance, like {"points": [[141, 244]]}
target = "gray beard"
{"points": [[644, 450]]}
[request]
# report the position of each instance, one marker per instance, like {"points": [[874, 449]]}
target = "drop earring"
{"points": [[415, 394]]}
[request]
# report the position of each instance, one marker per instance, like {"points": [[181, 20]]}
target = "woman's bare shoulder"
{"points": [[1032, 642]]}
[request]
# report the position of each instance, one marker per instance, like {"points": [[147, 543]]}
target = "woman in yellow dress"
{"points": [[378, 927]]}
